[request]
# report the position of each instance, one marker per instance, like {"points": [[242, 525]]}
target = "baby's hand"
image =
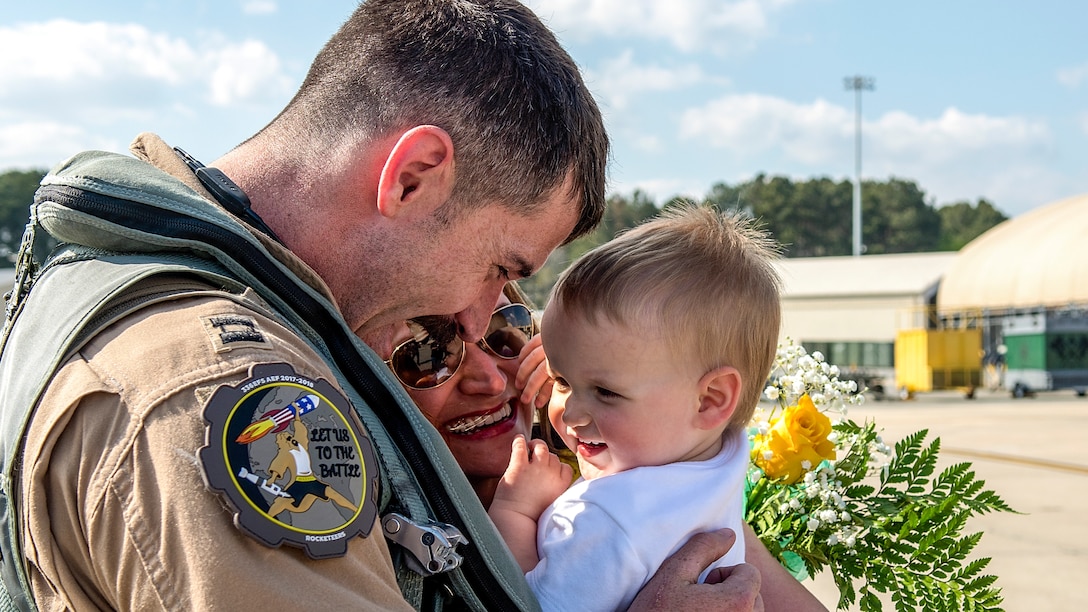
{"points": [[533, 480], [532, 377]]}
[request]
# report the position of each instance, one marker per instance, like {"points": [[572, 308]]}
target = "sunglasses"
{"points": [[434, 352]]}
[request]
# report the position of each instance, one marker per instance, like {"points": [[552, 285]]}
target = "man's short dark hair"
{"points": [[489, 72]]}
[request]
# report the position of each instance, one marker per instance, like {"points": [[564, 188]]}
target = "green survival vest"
{"points": [[122, 222]]}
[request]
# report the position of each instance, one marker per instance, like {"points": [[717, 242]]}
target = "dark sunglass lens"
{"points": [[425, 363], [510, 329]]}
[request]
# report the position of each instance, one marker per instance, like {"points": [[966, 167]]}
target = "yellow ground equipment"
{"points": [[933, 359]]}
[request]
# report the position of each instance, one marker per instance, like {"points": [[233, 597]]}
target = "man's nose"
{"points": [[472, 322]]}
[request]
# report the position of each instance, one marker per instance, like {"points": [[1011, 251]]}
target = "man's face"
{"points": [[461, 267]]}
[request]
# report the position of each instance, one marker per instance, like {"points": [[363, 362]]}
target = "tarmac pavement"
{"points": [[1031, 452]]}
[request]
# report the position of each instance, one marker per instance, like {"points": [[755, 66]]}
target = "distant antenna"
{"points": [[858, 83]]}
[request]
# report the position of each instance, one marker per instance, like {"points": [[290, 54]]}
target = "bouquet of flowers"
{"points": [[826, 492]]}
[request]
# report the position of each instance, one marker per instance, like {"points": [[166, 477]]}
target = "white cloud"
{"points": [[125, 65], [1073, 76], [756, 123], [259, 7], [954, 156], [246, 71], [62, 51], [816, 133], [618, 79], [954, 135], [689, 25], [46, 140]]}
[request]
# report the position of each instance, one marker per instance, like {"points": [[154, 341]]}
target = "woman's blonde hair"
{"points": [[703, 280]]}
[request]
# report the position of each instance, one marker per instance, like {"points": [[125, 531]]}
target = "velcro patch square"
{"points": [[231, 331]]}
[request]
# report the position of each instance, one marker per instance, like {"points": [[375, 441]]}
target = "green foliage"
{"points": [[962, 222], [907, 530], [812, 218], [17, 189], [876, 518], [895, 218]]}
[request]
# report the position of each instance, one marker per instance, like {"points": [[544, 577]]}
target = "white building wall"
{"points": [[853, 319]]}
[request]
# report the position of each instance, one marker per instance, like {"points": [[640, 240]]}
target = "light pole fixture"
{"points": [[858, 83]]}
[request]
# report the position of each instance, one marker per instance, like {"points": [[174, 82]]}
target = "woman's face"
{"points": [[477, 411]]}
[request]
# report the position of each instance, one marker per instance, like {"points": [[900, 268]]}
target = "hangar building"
{"points": [[1024, 283]]}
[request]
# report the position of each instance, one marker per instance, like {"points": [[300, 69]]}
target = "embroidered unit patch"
{"points": [[289, 455]]}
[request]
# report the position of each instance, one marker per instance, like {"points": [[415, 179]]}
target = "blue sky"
{"points": [[972, 98]]}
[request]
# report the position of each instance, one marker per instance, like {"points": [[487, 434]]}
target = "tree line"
{"points": [[811, 218]]}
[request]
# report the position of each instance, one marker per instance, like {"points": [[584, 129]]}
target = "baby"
{"points": [[660, 342]]}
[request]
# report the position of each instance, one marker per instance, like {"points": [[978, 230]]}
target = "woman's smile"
{"points": [[484, 424]]}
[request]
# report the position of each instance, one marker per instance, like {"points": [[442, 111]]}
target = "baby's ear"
{"points": [[719, 392]]}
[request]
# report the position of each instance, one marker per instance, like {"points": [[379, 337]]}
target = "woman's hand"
{"points": [[532, 377]]}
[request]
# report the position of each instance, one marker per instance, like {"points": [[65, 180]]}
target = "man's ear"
{"points": [[417, 176], [719, 392]]}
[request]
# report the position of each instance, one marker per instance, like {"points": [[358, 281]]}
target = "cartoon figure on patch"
{"points": [[302, 487], [290, 456]]}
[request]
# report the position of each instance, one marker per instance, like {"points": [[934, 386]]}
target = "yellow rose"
{"points": [[799, 434]]}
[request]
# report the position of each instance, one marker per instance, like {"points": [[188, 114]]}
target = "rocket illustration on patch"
{"points": [[275, 421]]}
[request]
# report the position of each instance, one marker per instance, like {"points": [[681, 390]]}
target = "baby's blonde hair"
{"points": [[701, 279]]}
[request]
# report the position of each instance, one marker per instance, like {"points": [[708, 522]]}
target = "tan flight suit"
{"points": [[115, 513]]}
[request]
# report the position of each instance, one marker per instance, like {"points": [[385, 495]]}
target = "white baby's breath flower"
{"points": [[838, 499], [826, 500]]}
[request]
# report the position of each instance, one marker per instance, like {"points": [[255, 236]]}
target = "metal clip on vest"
{"points": [[431, 545]]}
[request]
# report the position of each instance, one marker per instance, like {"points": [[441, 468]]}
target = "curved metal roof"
{"points": [[1037, 259]]}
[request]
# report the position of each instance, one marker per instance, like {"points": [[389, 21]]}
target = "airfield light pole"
{"points": [[858, 83]]}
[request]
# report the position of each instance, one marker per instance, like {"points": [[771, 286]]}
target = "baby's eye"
{"points": [[561, 383], [607, 393]]}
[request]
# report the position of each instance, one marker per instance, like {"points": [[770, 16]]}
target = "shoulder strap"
{"points": [[56, 318]]}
